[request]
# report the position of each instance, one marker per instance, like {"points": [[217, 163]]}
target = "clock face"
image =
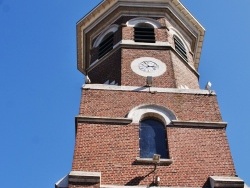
{"points": [[148, 66]]}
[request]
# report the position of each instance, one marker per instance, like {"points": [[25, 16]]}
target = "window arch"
{"points": [[180, 47], [144, 29], [105, 41], [151, 110], [153, 139], [152, 120], [133, 22], [144, 32]]}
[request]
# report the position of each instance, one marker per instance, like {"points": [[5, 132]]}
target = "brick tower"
{"points": [[143, 120]]}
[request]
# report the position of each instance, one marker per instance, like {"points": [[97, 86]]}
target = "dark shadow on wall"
{"points": [[138, 179]]}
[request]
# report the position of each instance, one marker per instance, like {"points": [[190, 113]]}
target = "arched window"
{"points": [[144, 32], [153, 139], [180, 47], [105, 40], [106, 44]]}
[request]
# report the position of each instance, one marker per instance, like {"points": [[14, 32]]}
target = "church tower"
{"points": [[144, 121]]}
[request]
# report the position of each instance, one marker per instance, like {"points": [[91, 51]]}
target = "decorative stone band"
{"points": [[174, 123], [226, 182], [150, 161], [198, 124], [94, 119], [78, 177], [146, 89]]}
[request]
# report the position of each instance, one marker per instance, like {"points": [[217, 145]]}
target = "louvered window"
{"points": [[144, 33], [106, 45], [179, 47]]}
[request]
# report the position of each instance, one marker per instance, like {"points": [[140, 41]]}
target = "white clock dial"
{"points": [[148, 66]]}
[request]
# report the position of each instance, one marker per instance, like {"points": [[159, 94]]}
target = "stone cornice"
{"points": [[146, 89], [174, 123], [197, 124], [222, 181], [94, 119]]}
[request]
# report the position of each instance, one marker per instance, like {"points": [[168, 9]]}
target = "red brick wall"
{"points": [[109, 69], [183, 74], [186, 107], [111, 149], [130, 78]]}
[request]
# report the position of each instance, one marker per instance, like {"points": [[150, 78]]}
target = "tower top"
{"points": [[117, 8]]}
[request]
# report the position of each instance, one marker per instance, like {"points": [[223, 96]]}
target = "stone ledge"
{"points": [[150, 161], [84, 177], [226, 182], [146, 89], [198, 124], [95, 119]]}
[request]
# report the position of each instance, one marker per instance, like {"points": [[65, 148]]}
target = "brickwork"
{"points": [[131, 78], [184, 74], [197, 151], [109, 69], [112, 149], [186, 107], [128, 33], [161, 35]]}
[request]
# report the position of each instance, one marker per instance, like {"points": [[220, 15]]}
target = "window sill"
{"points": [[150, 161]]}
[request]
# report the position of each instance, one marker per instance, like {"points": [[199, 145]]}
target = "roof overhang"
{"points": [[105, 7]]}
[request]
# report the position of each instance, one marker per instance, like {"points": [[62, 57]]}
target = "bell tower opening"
{"points": [[144, 32]]}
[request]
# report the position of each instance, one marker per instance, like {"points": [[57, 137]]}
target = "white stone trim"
{"points": [[146, 89], [157, 43], [222, 181], [151, 110], [133, 22], [198, 124], [95, 119], [150, 161], [84, 177]]}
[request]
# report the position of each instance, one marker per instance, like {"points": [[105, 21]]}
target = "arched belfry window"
{"points": [[105, 40], [180, 47], [144, 32], [153, 139], [106, 44]]}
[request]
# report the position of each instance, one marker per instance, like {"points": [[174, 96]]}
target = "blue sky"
{"points": [[40, 85]]}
